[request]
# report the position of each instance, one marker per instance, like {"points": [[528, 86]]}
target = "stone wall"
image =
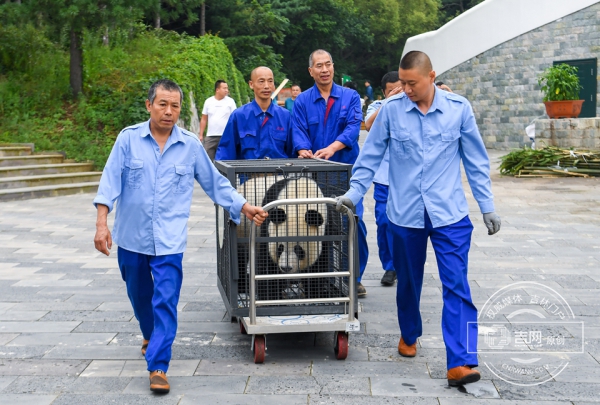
{"points": [[501, 83], [567, 133]]}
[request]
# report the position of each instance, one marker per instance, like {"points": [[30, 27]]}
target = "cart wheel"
{"points": [[242, 329], [341, 345], [259, 349]]}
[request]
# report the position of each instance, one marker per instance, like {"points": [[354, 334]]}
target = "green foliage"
{"points": [[560, 82], [35, 105]]}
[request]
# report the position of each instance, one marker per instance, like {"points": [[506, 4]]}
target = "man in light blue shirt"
{"points": [[390, 84], [428, 132], [151, 171]]}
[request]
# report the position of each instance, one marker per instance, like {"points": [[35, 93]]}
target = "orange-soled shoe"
{"points": [[462, 375], [144, 346], [406, 350], [159, 382]]}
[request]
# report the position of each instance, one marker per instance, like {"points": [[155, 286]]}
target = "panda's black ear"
{"points": [[277, 216], [313, 218]]}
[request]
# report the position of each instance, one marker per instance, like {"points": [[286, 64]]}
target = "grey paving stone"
{"points": [[369, 400], [308, 385], [28, 399], [106, 327], [40, 385], [17, 367], [37, 327], [62, 339], [111, 399], [6, 381], [390, 386], [463, 401], [194, 385], [15, 315], [371, 369], [24, 352], [94, 352], [248, 368], [550, 391], [177, 368], [246, 399], [7, 338], [97, 316]]}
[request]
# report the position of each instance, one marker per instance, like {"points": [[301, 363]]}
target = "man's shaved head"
{"points": [[256, 70], [318, 52], [416, 60]]}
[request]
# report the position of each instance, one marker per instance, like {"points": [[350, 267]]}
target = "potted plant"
{"points": [[560, 85]]}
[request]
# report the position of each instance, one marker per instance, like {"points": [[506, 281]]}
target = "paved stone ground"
{"points": [[68, 335]]}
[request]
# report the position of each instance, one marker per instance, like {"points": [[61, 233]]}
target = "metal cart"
{"points": [[344, 282]]}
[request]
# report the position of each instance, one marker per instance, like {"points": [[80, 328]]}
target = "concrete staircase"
{"points": [[24, 175]]}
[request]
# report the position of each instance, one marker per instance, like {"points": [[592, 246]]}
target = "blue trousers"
{"points": [[153, 286], [451, 244], [384, 234], [363, 247]]}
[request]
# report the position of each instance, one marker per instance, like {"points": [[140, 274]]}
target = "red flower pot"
{"points": [[563, 109]]}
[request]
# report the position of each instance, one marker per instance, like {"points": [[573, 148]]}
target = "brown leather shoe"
{"points": [[159, 382], [144, 346], [462, 375], [406, 350]]}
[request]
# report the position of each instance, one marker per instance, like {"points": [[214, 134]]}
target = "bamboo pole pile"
{"points": [[551, 162]]}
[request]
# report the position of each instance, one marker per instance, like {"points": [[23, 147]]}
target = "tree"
{"points": [[71, 18], [452, 8], [163, 12]]}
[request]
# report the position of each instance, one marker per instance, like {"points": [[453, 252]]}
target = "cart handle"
{"points": [[351, 264]]}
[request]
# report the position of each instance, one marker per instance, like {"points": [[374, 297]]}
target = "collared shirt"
{"points": [[289, 105], [154, 190], [311, 132], [254, 134], [425, 155], [381, 176]]}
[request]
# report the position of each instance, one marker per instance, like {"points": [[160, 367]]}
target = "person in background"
{"points": [[369, 91], [289, 103], [258, 129], [216, 112], [151, 171], [429, 132], [350, 85], [326, 125], [442, 86], [390, 83]]}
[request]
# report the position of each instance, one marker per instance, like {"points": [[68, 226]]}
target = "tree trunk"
{"points": [[76, 64], [203, 19], [157, 18], [105, 37]]}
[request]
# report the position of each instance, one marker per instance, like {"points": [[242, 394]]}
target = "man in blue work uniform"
{"points": [[390, 84], [151, 171], [258, 129], [326, 124], [428, 132]]}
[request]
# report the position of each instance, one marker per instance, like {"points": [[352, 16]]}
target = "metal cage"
{"points": [[295, 239]]}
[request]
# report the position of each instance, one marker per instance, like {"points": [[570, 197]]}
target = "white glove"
{"points": [[492, 222], [344, 204]]}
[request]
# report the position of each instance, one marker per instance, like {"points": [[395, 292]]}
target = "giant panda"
{"points": [[283, 257]]}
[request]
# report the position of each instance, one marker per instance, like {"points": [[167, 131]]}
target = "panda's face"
{"points": [[297, 220]]}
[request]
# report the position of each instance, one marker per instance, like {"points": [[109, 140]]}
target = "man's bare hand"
{"points": [[256, 214], [325, 153], [305, 154], [394, 91], [103, 240]]}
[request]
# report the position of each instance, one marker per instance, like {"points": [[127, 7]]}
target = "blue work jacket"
{"points": [[154, 189], [425, 155], [253, 134], [311, 132]]}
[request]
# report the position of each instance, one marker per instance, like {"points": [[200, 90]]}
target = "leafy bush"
{"points": [[560, 82], [35, 105]]}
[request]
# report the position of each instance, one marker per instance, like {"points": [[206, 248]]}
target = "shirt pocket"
{"points": [[450, 142], [248, 141], [279, 138], [313, 121], [400, 144], [183, 179], [133, 173]]}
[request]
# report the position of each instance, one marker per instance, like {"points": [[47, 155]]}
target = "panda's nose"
{"points": [[286, 269]]}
